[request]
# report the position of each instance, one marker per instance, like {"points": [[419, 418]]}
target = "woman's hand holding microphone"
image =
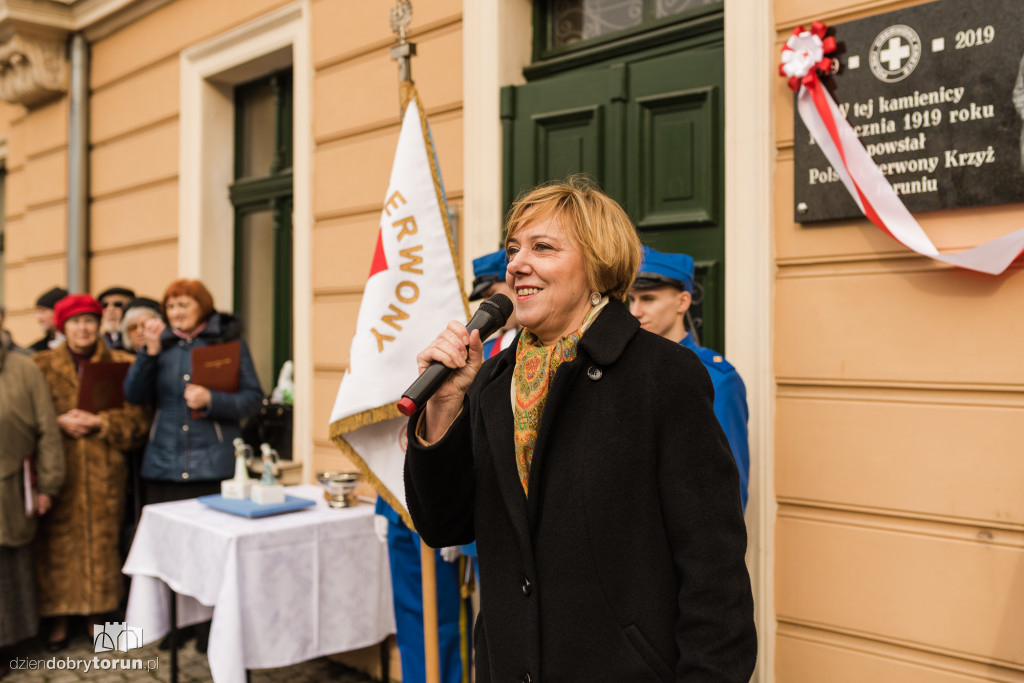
{"points": [[463, 352], [448, 366]]}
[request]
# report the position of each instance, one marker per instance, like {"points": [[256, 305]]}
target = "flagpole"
{"points": [[431, 640], [401, 15]]}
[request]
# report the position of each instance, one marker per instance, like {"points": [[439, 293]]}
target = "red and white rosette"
{"points": [[803, 56]]}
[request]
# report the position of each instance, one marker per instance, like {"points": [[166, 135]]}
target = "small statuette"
{"points": [[268, 491], [239, 487]]}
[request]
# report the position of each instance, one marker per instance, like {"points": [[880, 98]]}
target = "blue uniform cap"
{"points": [[487, 270], [659, 268]]}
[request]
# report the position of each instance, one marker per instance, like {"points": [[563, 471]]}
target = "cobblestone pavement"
{"points": [[192, 666]]}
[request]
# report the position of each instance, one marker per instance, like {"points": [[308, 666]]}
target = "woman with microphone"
{"points": [[586, 462]]}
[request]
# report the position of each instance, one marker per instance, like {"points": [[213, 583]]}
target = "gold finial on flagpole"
{"points": [[401, 17]]}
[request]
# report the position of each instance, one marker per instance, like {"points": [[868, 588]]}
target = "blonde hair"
{"points": [[594, 221]]}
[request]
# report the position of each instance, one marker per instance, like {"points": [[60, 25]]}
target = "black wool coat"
{"points": [[626, 561]]}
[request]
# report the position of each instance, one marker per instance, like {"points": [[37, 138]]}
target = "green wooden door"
{"points": [[650, 132]]}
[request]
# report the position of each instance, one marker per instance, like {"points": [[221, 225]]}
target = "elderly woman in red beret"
{"points": [[78, 564]]}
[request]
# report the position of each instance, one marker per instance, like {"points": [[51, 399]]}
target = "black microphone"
{"points": [[491, 315]]}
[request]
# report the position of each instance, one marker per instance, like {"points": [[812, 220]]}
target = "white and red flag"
{"points": [[412, 291]]}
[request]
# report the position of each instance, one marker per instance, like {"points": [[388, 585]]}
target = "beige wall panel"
{"points": [[342, 251], [953, 461], [15, 244], [908, 327], [950, 231], [785, 107], [446, 130], [802, 661], [789, 13], [22, 326], [46, 178], [355, 94], [8, 114], [16, 154], [953, 595], [136, 160], [147, 269], [144, 98], [353, 173], [325, 390], [45, 232], [15, 193], [166, 32], [328, 457], [26, 282], [341, 28], [149, 213], [334, 323], [437, 67], [364, 92], [45, 128]]}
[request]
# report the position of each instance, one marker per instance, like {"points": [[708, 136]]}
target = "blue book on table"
{"points": [[249, 508]]}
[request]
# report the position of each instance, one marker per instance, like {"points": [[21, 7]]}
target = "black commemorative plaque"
{"points": [[936, 95]]}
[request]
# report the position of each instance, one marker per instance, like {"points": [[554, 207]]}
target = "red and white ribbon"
{"points": [[802, 58]]}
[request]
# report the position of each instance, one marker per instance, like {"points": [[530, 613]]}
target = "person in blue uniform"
{"points": [[454, 620], [660, 299], [488, 280]]}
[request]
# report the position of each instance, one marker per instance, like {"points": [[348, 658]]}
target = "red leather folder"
{"points": [[217, 368], [101, 385]]}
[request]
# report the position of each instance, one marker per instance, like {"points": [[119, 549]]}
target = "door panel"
{"points": [[649, 132], [674, 151], [568, 142], [559, 126], [675, 176]]}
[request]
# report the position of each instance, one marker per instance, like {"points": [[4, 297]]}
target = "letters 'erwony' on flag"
{"points": [[412, 291]]}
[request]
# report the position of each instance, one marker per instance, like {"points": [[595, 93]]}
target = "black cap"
{"points": [[143, 302], [123, 291], [49, 298]]}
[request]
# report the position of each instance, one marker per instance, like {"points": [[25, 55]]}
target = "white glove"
{"points": [[380, 527], [451, 553]]}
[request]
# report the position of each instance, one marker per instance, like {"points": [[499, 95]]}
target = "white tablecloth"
{"points": [[281, 589]]}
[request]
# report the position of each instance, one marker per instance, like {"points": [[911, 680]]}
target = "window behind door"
{"points": [[262, 199]]}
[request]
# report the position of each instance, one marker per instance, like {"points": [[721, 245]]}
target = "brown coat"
{"points": [[77, 556], [27, 427]]}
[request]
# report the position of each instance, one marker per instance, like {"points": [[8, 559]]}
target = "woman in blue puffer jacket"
{"points": [[188, 456]]}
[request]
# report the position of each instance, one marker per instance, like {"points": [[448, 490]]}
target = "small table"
{"points": [[280, 589]]}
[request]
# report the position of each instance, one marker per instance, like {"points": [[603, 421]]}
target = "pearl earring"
{"points": [[595, 298]]}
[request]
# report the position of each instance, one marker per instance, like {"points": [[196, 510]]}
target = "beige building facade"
{"points": [[886, 392]]}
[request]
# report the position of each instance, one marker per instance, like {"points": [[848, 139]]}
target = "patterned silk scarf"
{"points": [[535, 367]]}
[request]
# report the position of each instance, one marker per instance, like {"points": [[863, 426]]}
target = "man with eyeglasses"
{"points": [[114, 300]]}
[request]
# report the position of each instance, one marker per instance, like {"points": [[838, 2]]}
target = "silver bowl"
{"points": [[340, 487]]}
